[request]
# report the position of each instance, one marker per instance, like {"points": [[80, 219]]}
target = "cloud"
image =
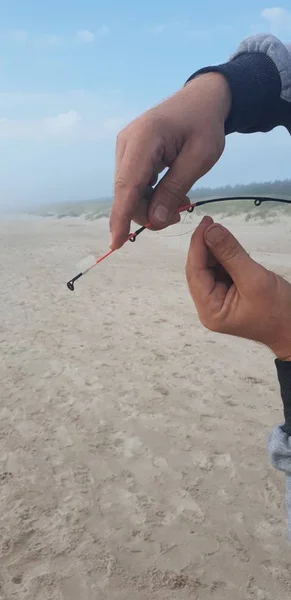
{"points": [[85, 36], [275, 15], [157, 29], [279, 20], [72, 115], [59, 125], [21, 36]]}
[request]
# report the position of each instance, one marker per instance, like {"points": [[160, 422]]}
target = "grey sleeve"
{"points": [[280, 457], [280, 438], [259, 77], [280, 55]]}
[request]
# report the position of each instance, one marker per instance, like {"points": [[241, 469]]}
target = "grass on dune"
{"points": [[94, 210], [267, 212]]}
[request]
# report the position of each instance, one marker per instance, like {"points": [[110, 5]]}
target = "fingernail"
{"points": [[215, 234], [162, 214]]}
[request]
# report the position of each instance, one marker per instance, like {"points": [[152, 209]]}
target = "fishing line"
{"points": [[172, 235], [258, 200]]}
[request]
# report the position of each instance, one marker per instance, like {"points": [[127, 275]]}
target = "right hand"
{"points": [[184, 133], [234, 294]]}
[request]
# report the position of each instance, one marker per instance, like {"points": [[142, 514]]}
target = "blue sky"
{"points": [[73, 73]]}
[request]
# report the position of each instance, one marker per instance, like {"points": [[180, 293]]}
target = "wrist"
{"points": [[218, 92], [282, 352], [284, 357], [255, 84]]}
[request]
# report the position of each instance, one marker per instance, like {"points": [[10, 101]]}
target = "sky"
{"points": [[74, 73]]}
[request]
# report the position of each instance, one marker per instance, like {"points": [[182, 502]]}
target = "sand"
{"points": [[133, 459]]}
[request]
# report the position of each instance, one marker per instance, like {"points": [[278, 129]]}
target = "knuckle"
{"points": [[207, 322], [121, 137], [125, 187], [211, 324], [267, 282], [125, 133], [148, 127], [141, 131], [120, 184], [174, 188], [210, 151], [208, 157], [229, 252], [154, 118]]}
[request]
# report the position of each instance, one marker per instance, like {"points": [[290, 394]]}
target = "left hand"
{"points": [[184, 134], [235, 295]]}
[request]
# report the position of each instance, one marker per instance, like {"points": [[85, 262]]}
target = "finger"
{"points": [[230, 254], [190, 164], [141, 216], [200, 277], [133, 174], [211, 262]]}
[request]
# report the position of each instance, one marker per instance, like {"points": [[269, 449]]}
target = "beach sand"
{"points": [[133, 460]]}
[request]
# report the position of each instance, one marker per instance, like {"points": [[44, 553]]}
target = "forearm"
{"points": [[259, 77]]}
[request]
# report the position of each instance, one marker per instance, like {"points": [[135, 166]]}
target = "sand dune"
{"points": [[133, 458]]}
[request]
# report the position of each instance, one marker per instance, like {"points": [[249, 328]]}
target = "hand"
{"points": [[184, 133], [235, 295]]}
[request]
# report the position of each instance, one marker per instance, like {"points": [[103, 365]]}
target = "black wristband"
{"points": [[255, 86], [284, 376]]}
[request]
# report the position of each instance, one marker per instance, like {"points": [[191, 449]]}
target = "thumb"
{"points": [[229, 253], [189, 165]]}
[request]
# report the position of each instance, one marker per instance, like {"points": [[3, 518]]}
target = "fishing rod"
{"points": [[258, 200]]}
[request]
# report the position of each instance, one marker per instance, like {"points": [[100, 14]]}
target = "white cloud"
{"points": [[274, 14], [59, 125], [279, 20], [85, 36], [74, 115], [157, 30]]}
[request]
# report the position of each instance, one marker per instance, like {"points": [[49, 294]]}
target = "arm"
{"points": [[259, 77]]}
